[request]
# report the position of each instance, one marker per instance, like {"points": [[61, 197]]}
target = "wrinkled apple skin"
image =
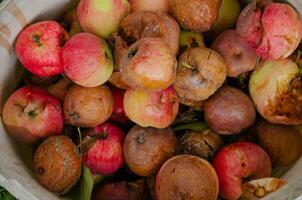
{"points": [[118, 115], [102, 17], [274, 87], [262, 29], [105, 156], [31, 114], [237, 161], [155, 109], [239, 57], [39, 48], [149, 65], [155, 5], [87, 60]]}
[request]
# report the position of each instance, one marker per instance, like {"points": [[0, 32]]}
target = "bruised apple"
{"points": [[186, 177], [274, 30], [146, 149], [149, 65], [87, 107], [239, 57], [118, 115], [239, 161], [155, 5], [275, 88], [155, 109], [57, 164], [200, 72], [229, 111], [31, 114]]}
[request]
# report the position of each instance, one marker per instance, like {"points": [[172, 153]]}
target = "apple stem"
{"points": [[81, 142]]}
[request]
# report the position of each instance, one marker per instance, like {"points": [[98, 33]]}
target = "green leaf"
{"points": [[86, 184], [196, 126]]}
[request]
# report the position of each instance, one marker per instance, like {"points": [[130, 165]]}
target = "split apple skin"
{"points": [[260, 25], [31, 114], [87, 60], [155, 109], [39, 48], [102, 17], [105, 153], [237, 161]]}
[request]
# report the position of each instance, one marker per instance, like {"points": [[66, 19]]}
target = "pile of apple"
{"points": [[142, 67]]}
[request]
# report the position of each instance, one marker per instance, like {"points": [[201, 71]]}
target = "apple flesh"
{"points": [[155, 109], [104, 148], [236, 162], [118, 115], [102, 17], [239, 57], [149, 65], [87, 60], [39, 48], [31, 114], [155, 5], [260, 25]]}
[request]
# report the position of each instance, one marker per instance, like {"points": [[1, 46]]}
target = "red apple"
{"points": [[239, 57], [236, 162], [31, 114], [87, 60], [155, 5], [273, 29], [155, 109], [104, 153], [118, 115], [39, 48], [102, 17]]}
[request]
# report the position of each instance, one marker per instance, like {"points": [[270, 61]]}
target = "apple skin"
{"points": [[105, 156], [155, 109], [31, 114], [237, 161], [87, 60], [155, 5], [239, 57], [60, 88], [102, 17], [118, 115], [39, 48], [71, 22]]}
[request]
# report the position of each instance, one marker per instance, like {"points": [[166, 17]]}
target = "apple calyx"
{"points": [[140, 139], [36, 39]]}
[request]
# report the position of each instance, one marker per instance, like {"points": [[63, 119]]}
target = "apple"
{"points": [[236, 162], [71, 22], [239, 57], [87, 107], [134, 190], [149, 65], [60, 88], [87, 60], [31, 114], [155, 5], [58, 164], [274, 30], [39, 48], [104, 148], [155, 109], [189, 39], [102, 17], [227, 17], [118, 115]]}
